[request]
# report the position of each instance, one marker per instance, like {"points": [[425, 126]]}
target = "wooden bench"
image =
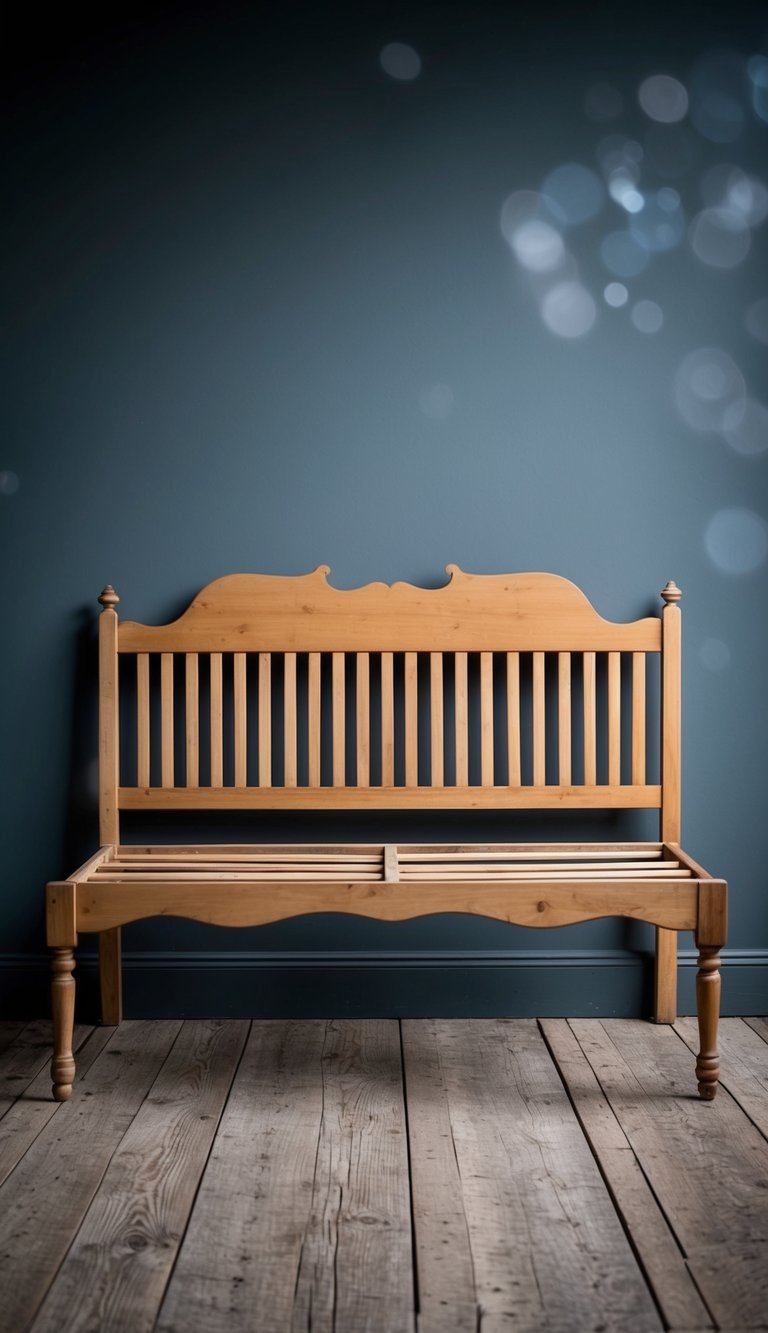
{"points": [[502, 692]]}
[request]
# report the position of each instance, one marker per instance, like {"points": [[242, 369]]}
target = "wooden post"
{"points": [[109, 827], [63, 1006], [710, 937], [708, 1011], [110, 977], [665, 979], [109, 778], [61, 931]]}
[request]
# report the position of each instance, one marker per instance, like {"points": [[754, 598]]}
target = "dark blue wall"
{"points": [[260, 313]]}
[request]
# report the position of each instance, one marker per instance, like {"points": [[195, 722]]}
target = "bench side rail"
{"points": [[496, 691]]}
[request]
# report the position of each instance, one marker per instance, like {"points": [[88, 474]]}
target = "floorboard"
{"points": [[350, 1176], [45, 1198], [705, 1161], [546, 1252], [117, 1268], [743, 1065]]}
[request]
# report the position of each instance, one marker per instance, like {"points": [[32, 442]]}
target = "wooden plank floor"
{"points": [[423, 1176]]}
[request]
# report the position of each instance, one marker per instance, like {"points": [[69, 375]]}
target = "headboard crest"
{"points": [[471, 612]]}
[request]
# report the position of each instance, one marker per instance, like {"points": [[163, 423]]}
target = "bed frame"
{"points": [[501, 692]]}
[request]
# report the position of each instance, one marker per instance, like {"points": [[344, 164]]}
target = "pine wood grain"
{"points": [[26, 1053], [759, 1025], [302, 1214], [544, 1245], [654, 1241], [707, 1193], [461, 797], [115, 1273], [743, 1064], [33, 1108], [355, 1270], [43, 1201], [473, 612], [671, 902]]}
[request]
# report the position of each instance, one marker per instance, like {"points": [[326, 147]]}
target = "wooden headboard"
{"points": [[494, 691]]}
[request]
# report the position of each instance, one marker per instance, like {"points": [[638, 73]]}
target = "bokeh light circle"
{"points": [[518, 208], [616, 294], [736, 540], [710, 392], [623, 189], [661, 224], [568, 310], [720, 237], [573, 193], [718, 117], [663, 98], [538, 246], [400, 61], [647, 316]]}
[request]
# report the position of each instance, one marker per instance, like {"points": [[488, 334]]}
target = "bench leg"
{"points": [[110, 977], [665, 976], [708, 1007], [63, 1003]]}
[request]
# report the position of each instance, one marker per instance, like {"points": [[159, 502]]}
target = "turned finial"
{"points": [[671, 593], [109, 598]]}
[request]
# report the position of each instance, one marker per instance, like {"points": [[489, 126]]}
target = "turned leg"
{"points": [[110, 977], [63, 1001], [708, 1007]]}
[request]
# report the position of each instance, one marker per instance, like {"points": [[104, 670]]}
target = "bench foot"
{"points": [[63, 1004], [708, 1007]]}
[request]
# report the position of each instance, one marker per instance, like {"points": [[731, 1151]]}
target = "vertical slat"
{"points": [[638, 719], [486, 719], [217, 723], [241, 721], [462, 747], [313, 718], [142, 718], [539, 722], [363, 719], [339, 728], [564, 718], [614, 719], [166, 719], [265, 719], [437, 773], [289, 714], [387, 720], [192, 721], [590, 721], [513, 719], [411, 720]]}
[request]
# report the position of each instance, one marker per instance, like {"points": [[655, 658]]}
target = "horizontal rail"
{"points": [[427, 634], [673, 904], [391, 798]]}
